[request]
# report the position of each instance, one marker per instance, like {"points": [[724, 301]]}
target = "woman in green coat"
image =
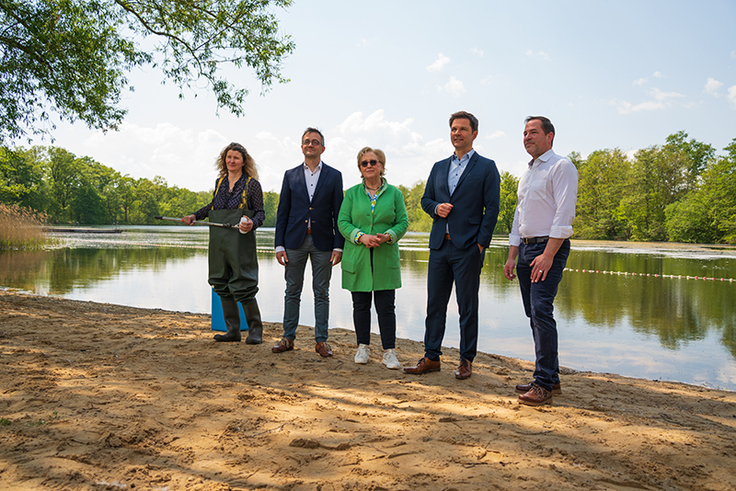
{"points": [[372, 219]]}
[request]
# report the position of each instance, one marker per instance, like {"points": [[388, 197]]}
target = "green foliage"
{"points": [[419, 221], [601, 179], [270, 206], [71, 189], [708, 213], [509, 188], [677, 192], [689, 159], [642, 203], [70, 57]]}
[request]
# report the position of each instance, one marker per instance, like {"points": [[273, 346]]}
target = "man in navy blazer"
{"points": [[306, 228], [462, 196]]}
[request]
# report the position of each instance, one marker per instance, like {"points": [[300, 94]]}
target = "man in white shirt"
{"points": [[539, 238]]}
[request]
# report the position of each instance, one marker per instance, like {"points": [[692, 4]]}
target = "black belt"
{"points": [[535, 240]]}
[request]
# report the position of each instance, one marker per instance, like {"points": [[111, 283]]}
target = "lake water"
{"points": [[632, 309]]}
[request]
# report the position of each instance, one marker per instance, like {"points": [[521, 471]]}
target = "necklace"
{"points": [[370, 188]]}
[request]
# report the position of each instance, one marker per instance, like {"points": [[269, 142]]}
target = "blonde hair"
{"points": [[249, 169], [379, 153]]}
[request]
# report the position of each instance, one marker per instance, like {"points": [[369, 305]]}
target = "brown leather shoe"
{"points": [[285, 344], [323, 349], [465, 370], [556, 389], [425, 365], [536, 396]]}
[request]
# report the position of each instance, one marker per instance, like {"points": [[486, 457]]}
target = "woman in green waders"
{"points": [[233, 264]]}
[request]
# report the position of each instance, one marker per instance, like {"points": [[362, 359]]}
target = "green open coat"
{"points": [[388, 217]]}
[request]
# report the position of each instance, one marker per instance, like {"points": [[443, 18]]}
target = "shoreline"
{"points": [[447, 362], [101, 396]]}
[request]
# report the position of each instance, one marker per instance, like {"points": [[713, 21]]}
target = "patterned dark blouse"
{"points": [[226, 200]]}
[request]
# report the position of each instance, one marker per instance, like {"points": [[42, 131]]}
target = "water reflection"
{"points": [[645, 326], [675, 310]]}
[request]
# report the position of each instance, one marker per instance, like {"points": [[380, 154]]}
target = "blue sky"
{"points": [[388, 74]]}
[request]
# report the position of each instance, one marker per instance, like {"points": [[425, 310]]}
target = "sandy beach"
{"points": [[99, 396]]}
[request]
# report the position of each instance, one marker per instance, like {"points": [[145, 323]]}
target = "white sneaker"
{"points": [[390, 360], [361, 357]]}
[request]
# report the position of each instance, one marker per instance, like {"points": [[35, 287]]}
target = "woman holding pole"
{"points": [[233, 265]]}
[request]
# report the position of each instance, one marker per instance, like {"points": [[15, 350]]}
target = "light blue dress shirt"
{"points": [[457, 167]]}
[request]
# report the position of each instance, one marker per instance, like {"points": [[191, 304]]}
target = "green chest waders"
{"points": [[233, 274]]}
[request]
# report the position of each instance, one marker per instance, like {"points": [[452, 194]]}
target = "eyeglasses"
{"points": [[366, 163], [314, 143]]}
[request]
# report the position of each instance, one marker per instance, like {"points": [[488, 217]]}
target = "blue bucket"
{"points": [[218, 321]]}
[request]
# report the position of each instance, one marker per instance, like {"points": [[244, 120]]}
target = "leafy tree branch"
{"points": [[69, 58]]}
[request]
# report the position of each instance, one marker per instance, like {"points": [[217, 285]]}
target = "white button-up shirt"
{"points": [[547, 194], [311, 179]]}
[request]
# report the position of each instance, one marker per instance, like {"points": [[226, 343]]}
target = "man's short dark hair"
{"points": [[547, 125], [465, 115], [314, 130]]}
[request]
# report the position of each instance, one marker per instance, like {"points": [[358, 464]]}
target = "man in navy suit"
{"points": [[306, 228], [462, 196]]}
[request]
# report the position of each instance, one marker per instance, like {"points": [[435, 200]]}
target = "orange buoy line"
{"points": [[656, 275]]}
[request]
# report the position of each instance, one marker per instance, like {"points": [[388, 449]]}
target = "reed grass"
{"points": [[21, 228]]}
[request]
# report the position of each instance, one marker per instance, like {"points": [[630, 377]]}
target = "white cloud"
{"points": [[439, 63], [273, 155], [663, 96], [627, 107], [661, 100], [454, 86], [409, 156], [496, 134], [363, 43], [164, 150], [733, 55], [539, 54], [712, 86], [732, 94], [477, 52], [487, 80], [658, 75], [640, 81]]}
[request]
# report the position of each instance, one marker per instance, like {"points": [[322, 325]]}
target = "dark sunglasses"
{"points": [[372, 163]]}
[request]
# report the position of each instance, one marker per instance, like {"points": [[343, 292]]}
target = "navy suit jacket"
{"points": [[475, 203], [295, 210]]}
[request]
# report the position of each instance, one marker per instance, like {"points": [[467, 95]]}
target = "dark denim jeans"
{"points": [[538, 301], [385, 301]]}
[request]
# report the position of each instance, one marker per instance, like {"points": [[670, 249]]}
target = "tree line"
{"points": [[681, 191], [70, 189]]}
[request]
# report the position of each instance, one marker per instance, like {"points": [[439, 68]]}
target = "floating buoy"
{"points": [[656, 275]]}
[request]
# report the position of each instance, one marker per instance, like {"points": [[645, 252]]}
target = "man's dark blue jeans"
{"points": [[538, 301]]}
